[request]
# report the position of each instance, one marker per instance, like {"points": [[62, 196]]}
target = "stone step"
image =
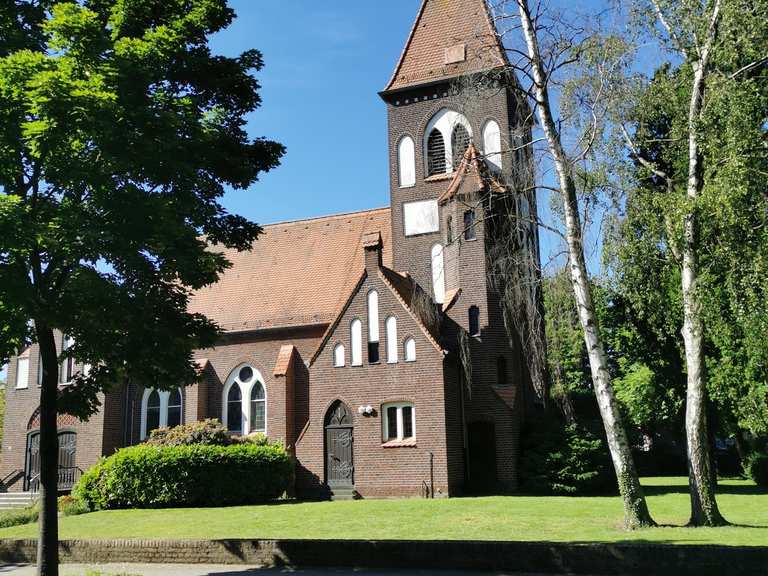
{"points": [[344, 493], [11, 500]]}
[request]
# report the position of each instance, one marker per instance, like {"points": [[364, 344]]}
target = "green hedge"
{"points": [[756, 468], [147, 476]]}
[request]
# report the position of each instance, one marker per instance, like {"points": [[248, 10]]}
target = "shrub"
{"points": [[756, 467], [19, 517], [71, 506], [566, 460], [146, 476], [210, 432]]}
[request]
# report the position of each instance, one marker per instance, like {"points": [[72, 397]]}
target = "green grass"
{"points": [[556, 519]]}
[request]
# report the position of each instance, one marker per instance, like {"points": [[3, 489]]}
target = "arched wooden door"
{"points": [[339, 446]]}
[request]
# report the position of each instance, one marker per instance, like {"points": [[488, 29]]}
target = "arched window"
{"points": [[459, 144], [436, 153], [174, 409], [391, 325], [438, 273], [492, 145], [153, 412], [356, 331], [338, 355], [409, 346], [474, 321], [501, 371], [406, 158], [373, 327], [258, 408], [235, 409]]}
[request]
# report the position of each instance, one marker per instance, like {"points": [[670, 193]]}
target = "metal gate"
{"points": [[339, 445], [68, 472]]}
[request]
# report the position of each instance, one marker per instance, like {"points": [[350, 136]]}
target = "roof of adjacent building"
{"points": [[444, 31], [297, 273]]}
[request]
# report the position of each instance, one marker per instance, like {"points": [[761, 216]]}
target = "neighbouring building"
{"points": [[372, 343]]}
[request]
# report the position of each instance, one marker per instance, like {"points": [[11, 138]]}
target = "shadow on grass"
{"points": [[738, 489]]}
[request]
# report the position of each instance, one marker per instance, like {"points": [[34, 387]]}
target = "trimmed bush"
{"points": [[147, 476], [18, 517], [756, 468], [209, 432]]}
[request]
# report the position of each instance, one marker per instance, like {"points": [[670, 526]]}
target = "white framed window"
{"points": [[406, 159], [399, 421], [160, 409], [356, 332], [391, 327], [244, 401], [492, 144], [22, 373], [339, 359], [439, 141], [409, 347], [67, 370], [438, 273]]}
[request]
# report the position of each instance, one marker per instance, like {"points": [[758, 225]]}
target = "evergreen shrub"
{"points": [[756, 467], [564, 460], [148, 476]]}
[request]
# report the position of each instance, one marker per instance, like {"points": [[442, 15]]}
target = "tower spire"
{"points": [[449, 38]]}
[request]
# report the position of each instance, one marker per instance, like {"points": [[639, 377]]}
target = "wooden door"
{"points": [[481, 473], [339, 446], [67, 453], [32, 467]]}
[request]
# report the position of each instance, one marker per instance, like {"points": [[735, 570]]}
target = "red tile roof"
{"points": [[298, 273], [471, 177], [444, 31], [284, 359]]}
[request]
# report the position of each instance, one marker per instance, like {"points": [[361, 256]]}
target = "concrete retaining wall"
{"points": [[551, 558]]}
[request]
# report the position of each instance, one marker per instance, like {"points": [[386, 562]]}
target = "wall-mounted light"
{"points": [[365, 410]]}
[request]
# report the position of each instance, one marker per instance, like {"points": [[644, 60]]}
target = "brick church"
{"points": [[372, 344]]}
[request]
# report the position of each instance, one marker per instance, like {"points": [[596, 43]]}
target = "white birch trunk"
{"points": [[704, 509], [636, 512]]}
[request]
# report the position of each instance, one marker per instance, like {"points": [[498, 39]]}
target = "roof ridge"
{"points": [[327, 217]]}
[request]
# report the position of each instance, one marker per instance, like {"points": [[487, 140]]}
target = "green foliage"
{"points": [[186, 475], [566, 460], [756, 467], [209, 432], [18, 517], [120, 132], [71, 506]]}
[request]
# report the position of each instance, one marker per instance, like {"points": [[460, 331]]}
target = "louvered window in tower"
{"points": [[436, 153], [459, 144]]}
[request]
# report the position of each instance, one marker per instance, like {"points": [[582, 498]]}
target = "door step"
{"points": [[344, 493], [11, 500]]}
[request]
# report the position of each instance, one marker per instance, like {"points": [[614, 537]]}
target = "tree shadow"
{"points": [[734, 489]]}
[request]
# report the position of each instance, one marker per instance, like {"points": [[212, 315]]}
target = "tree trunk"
{"points": [[704, 510], [636, 512], [48, 542]]}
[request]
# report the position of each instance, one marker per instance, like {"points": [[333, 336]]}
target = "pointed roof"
{"points": [[472, 176], [450, 38]]}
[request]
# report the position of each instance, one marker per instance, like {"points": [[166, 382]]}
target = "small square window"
{"points": [[373, 352]]}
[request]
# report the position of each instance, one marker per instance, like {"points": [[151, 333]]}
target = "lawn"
{"points": [[556, 519]]}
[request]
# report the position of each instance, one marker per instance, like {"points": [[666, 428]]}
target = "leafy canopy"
{"points": [[119, 132]]}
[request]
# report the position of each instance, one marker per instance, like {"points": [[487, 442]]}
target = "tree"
{"points": [[543, 51], [119, 131], [708, 38]]}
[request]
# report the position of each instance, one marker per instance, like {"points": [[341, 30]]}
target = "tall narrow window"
{"points": [[356, 330], [449, 229], [501, 371], [258, 408], [391, 326], [438, 273], [68, 364], [174, 409], [153, 412], [235, 409], [338, 356], [406, 157], [474, 321], [492, 145], [373, 327], [459, 144], [469, 225], [409, 346], [436, 153], [22, 373]]}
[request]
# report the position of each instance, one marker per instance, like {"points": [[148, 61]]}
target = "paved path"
{"points": [[209, 570]]}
